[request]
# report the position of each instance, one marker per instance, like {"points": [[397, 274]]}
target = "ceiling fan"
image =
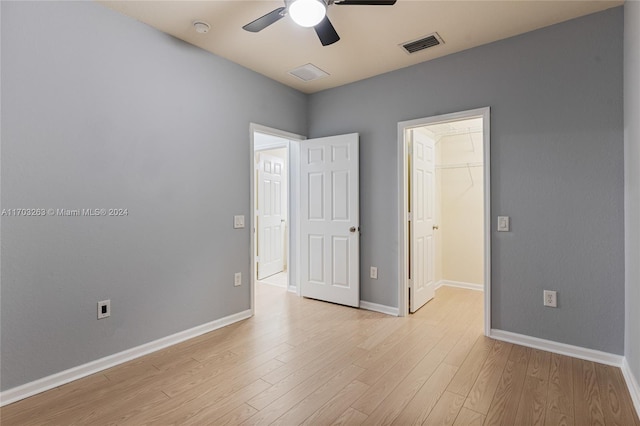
{"points": [[311, 13]]}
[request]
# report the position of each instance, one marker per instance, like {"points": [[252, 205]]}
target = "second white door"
{"points": [[329, 219], [271, 221], [422, 208]]}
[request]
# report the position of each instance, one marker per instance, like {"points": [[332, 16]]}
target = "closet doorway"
{"points": [[444, 230]]}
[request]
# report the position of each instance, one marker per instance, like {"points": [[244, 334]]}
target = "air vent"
{"points": [[308, 72], [423, 43]]}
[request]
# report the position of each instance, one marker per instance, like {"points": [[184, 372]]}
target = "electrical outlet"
{"points": [[104, 309], [237, 279], [550, 298], [373, 272]]}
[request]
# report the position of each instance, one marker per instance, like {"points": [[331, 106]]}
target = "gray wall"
{"points": [[632, 183], [100, 111], [556, 169]]}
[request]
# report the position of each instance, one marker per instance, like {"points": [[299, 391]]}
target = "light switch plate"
{"points": [[238, 221], [503, 224]]}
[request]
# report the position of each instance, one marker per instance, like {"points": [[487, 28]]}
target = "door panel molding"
{"points": [[329, 212]]}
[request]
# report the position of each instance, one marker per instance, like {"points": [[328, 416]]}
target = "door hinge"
{"points": [[409, 216]]}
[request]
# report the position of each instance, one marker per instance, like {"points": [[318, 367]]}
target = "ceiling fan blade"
{"points": [[366, 2], [264, 21], [326, 33]]}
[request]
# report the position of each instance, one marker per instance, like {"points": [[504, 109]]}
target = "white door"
{"points": [[329, 219], [422, 199], [270, 215]]}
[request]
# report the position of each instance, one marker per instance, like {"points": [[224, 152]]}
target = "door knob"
{"points": [[352, 229], [435, 227]]}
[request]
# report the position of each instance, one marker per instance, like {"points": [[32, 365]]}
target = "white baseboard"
{"points": [[389, 310], [75, 373], [558, 348], [460, 284], [632, 385]]}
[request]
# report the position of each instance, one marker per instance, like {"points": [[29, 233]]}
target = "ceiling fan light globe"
{"points": [[307, 13]]}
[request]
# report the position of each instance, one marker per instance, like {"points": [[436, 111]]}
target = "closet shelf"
{"points": [[460, 165]]}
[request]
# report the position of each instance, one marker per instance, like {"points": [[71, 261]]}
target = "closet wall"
{"points": [[460, 211]]}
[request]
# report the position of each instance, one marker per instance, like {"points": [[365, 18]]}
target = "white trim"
{"points": [[75, 373], [484, 113], [460, 284], [632, 385], [389, 310], [558, 348]]}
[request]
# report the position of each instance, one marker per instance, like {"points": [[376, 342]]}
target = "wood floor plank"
{"points": [[586, 394], [187, 402], [484, 388], [533, 402], [470, 368], [555, 418], [220, 372], [284, 403], [420, 406], [201, 411], [461, 350], [617, 408], [560, 395], [337, 405], [539, 364], [391, 358], [319, 397], [302, 361], [314, 372], [393, 404], [351, 417], [504, 406], [236, 416], [467, 417], [42, 405], [446, 410], [394, 344]]}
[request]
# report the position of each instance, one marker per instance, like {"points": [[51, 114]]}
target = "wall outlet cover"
{"points": [[373, 272], [550, 298], [104, 309], [237, 279], [238, 221]]}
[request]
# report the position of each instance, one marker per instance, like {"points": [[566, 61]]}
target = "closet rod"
{"points": [[460, 165]]}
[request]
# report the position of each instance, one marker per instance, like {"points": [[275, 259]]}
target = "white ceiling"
{"points": [[370, 35]]}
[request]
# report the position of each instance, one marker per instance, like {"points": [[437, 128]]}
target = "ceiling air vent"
{"points": [[308, 72], [423, 43]]}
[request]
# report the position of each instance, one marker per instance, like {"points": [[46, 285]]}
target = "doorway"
{"points": [[444, 207], [274, 216]]}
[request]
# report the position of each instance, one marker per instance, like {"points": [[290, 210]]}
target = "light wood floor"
{"points": [[300, 361]]}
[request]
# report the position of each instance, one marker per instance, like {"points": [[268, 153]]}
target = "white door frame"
{"points": [[403, 283], [293, 191]]}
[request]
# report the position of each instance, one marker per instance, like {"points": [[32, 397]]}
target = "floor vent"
{"points": [[308, 72], [423, 43]]}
